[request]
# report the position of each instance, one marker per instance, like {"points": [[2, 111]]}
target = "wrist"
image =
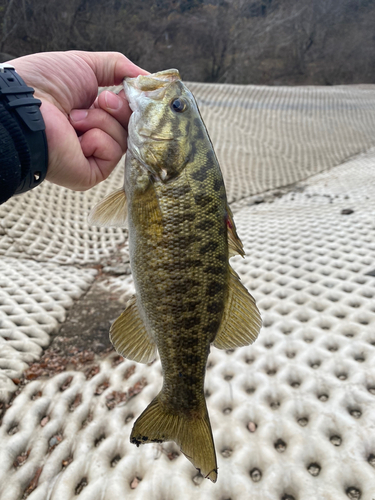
{"points": [[27, 128]]}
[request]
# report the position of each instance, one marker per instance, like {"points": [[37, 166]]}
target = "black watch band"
{"points": [[18, 98]]}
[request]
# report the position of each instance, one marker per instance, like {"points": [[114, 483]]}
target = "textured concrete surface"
{"points": [[293, 415]]}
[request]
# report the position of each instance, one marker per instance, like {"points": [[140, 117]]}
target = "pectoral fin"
{"points": [[234, 243], [241, 320], [112, 211], [129, 336]]}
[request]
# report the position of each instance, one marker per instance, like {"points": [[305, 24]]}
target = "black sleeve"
{"points": [[10, 165], [14, 155], [23, 141]]}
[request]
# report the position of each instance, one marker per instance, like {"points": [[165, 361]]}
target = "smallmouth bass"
{"points": [[181, 236]]}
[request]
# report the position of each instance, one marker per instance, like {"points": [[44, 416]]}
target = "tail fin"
{"points": [[192, 434]]}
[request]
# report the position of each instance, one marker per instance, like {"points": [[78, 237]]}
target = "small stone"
{"points": [[21, 459], [77, 401], [54, 441], [129, 418], [356, 413], [129, 372], [66, 384], [66, 462], [335, 440], [87, 420], [347, 211], [280, 446], [135, 483], [314, 469], [13, 429], [118, 270], [44, 421], [101, 388], [173, 455], [256, 475], [258, 199], [91, 372], [227, 452], [252, 426], [323, 398], [36, 395], [303, 421], [99, 440], [83, 482], [115, 460], [33, 483], [353, 493], [117, 360], [371, 460], [198, 479]]}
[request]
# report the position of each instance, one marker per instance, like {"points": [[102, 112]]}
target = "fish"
{"points": [[181, 236]]}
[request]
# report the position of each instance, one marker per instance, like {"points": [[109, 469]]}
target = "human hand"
{"points": [[86, 133]]}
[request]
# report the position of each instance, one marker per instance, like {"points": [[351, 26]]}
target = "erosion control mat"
{"points": [[293, 415]]}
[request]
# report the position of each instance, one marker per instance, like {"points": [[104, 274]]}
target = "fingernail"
{"points": [[112, 101], [78, 114]]}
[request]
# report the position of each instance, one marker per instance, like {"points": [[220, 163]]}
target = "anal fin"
{"points": [[241, 320], [130, 337]]}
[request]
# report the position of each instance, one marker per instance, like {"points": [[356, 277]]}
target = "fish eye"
{"points": [[178, 105]]}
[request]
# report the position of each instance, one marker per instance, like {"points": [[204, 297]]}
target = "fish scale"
{"points": [[182, 244], [181, 235]]}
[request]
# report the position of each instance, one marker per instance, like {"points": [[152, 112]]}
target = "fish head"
{"points": [[160, 131]]}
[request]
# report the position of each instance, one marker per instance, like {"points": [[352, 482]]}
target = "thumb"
{"points": [[110, 68]]}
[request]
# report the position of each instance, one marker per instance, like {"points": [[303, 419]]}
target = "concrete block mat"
{"points": [[292, 415]]}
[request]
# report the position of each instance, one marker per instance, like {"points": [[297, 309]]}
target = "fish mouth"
{"points": [[152, 86], [148, 135], [155, 81]]}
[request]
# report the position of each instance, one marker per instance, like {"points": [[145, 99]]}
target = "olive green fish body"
{"points": [[179, 258], [181, 236]]}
